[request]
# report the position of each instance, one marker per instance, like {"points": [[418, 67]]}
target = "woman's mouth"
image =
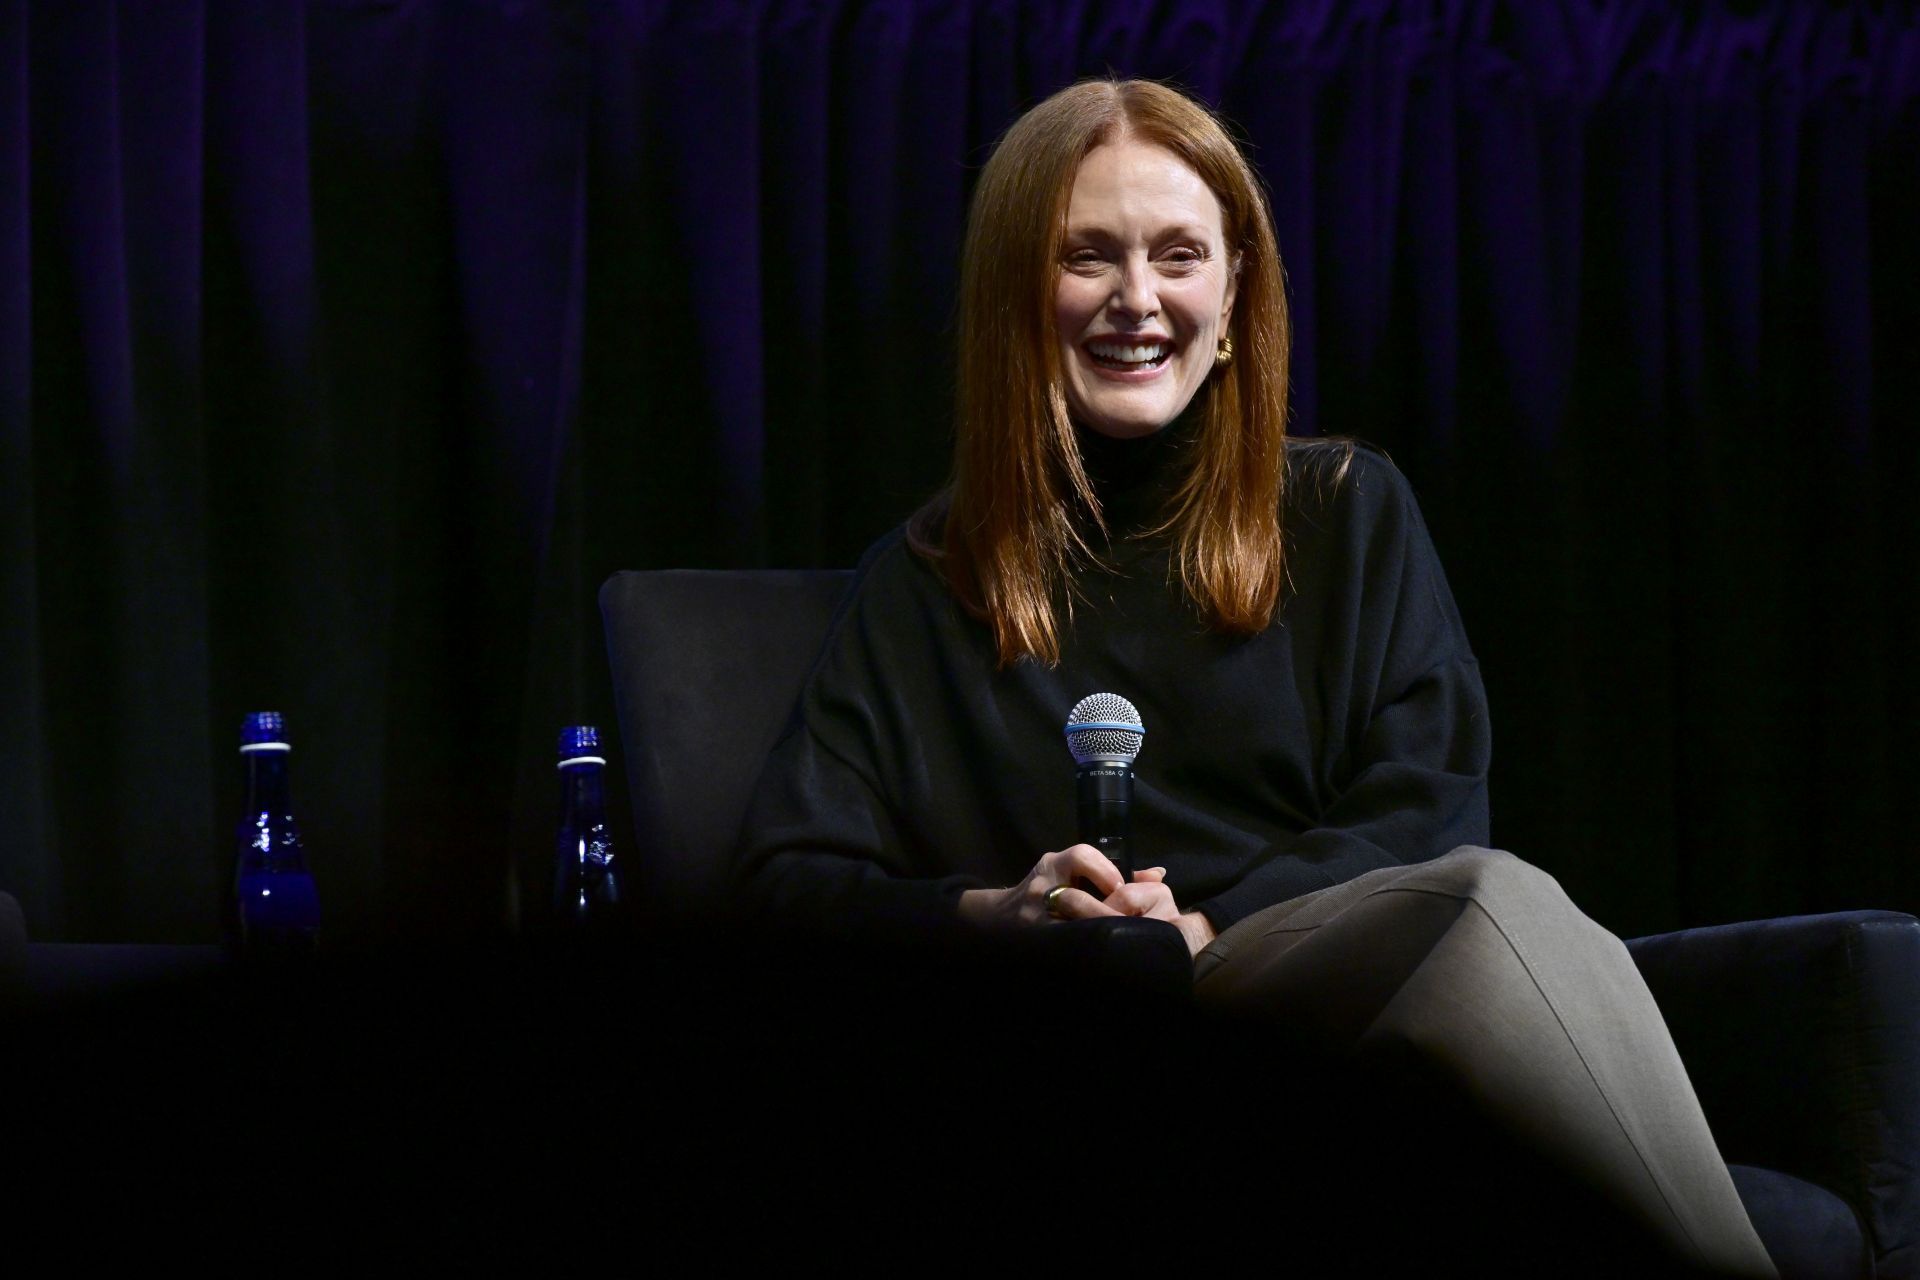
{"points": [[1123, 357]]}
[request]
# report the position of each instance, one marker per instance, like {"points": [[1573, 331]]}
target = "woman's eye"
{"points": [[1183, 257]]}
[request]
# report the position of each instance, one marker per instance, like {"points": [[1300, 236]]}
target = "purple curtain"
{"points": [[347, 345]]}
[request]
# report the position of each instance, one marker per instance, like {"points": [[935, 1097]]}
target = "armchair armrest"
{"points": [[1802, 1038], [1148, 956]]}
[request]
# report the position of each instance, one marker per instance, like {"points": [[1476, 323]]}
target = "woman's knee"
{"points": [[1494, 877]]}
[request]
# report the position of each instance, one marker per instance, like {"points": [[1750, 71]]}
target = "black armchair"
{"points": [[1802, 1035]]}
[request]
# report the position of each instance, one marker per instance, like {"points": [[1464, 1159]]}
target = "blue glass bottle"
{"points": [[587, 879], [276, 908]]}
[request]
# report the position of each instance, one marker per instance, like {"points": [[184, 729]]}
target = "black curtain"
{"points": [[347, 345]]}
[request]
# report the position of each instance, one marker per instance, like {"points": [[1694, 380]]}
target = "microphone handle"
{"points": [[1105, 792]]}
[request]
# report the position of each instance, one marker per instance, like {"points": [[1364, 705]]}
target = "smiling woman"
{"points": [[1311, 792]]}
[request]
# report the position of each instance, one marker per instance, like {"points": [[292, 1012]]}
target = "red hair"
{"points": [[1004, 533]]}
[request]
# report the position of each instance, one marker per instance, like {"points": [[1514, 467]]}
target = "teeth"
{"points": [[1129, 355]]}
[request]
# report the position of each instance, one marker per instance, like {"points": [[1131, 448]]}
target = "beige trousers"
{"points": [[1480, 966]]}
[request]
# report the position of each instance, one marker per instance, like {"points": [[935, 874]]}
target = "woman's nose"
{"points": [[1135, 294]]}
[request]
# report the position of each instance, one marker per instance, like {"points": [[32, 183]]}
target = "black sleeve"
{"points": [[820, 846], [1411, 782]]}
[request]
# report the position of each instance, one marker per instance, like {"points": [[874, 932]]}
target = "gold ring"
{"points": [[1053, 894]]}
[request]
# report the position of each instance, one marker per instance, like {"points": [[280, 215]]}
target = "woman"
{"points": [[1127, 515]]}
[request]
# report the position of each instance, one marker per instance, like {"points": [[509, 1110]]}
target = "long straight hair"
{"points": [[1004, 533]]}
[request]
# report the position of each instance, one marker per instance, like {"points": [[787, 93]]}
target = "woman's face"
{"points": [[1145, 288]]}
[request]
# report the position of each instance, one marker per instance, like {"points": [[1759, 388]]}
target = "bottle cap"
{"points": [[263, 730], [580, 744]]}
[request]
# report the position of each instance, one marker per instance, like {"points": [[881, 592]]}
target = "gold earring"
{"points": [[1224, 356]]}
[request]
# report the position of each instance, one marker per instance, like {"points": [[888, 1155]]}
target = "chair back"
{"points": [[707, 667]]}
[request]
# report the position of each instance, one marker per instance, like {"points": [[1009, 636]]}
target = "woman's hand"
{"points": [[1149, 896], [1026, 902]]}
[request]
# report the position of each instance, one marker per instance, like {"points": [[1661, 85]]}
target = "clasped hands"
{"points": [[1027, 903]]}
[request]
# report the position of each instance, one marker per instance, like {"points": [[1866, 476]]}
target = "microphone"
{"points": [[1104, 734]]}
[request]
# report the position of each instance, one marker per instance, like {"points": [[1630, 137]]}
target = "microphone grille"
{"points": [[1104, 726]]}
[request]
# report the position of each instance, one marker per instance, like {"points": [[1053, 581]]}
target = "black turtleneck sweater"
{"points": [[1351, 734]]}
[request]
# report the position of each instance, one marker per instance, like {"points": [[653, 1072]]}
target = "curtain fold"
{"points": [[347, 345]]}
